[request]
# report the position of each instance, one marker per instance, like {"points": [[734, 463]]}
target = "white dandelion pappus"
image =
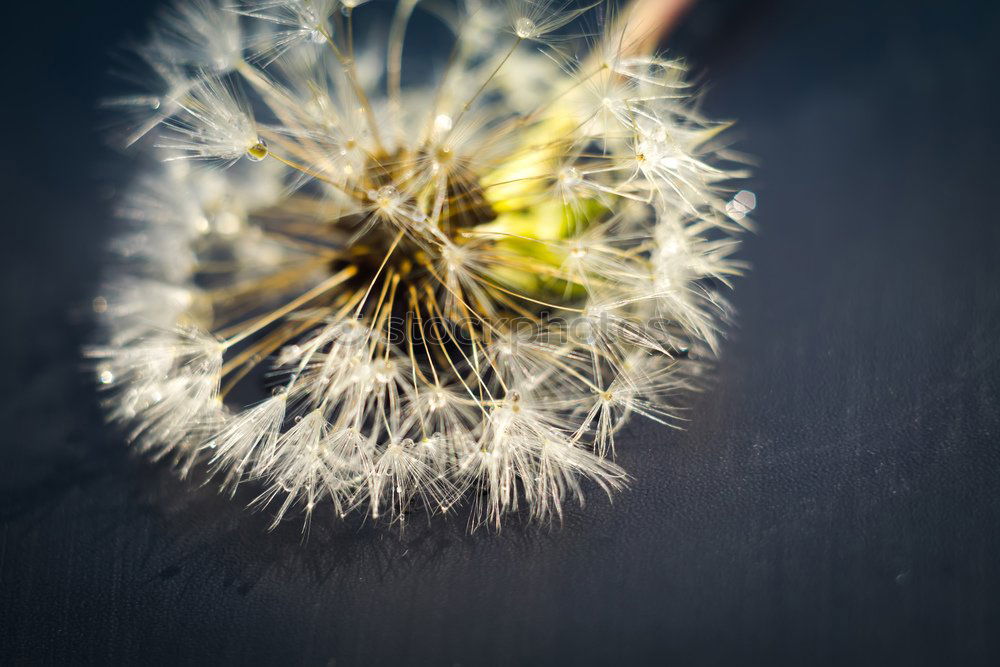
{"points": [[215, 123], [366, 292]]}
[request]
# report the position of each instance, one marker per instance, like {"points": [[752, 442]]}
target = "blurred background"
{"points": [[835, 500]]}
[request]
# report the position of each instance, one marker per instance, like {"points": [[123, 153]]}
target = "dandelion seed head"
{"points": [[359, 289]]}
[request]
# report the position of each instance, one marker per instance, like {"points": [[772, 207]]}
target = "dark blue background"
{"points": [[835, 499]]}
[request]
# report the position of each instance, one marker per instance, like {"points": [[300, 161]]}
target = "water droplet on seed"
{"points": [[443, 122], [258, 151], [524, 27], [384, 195], [741, 205]]}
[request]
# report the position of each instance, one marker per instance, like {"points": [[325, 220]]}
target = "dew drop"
{"points": [[524, 27], [443, 122], [106, 377], [742, 204], [258, 151], [384, 196]]}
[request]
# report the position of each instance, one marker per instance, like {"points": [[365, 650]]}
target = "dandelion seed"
{"points": [[201, 35], [454, 291], [215, 123], [286, 24], [534, 19]]}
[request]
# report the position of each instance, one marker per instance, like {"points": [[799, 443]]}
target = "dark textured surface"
{"points": [[834, 500]]}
